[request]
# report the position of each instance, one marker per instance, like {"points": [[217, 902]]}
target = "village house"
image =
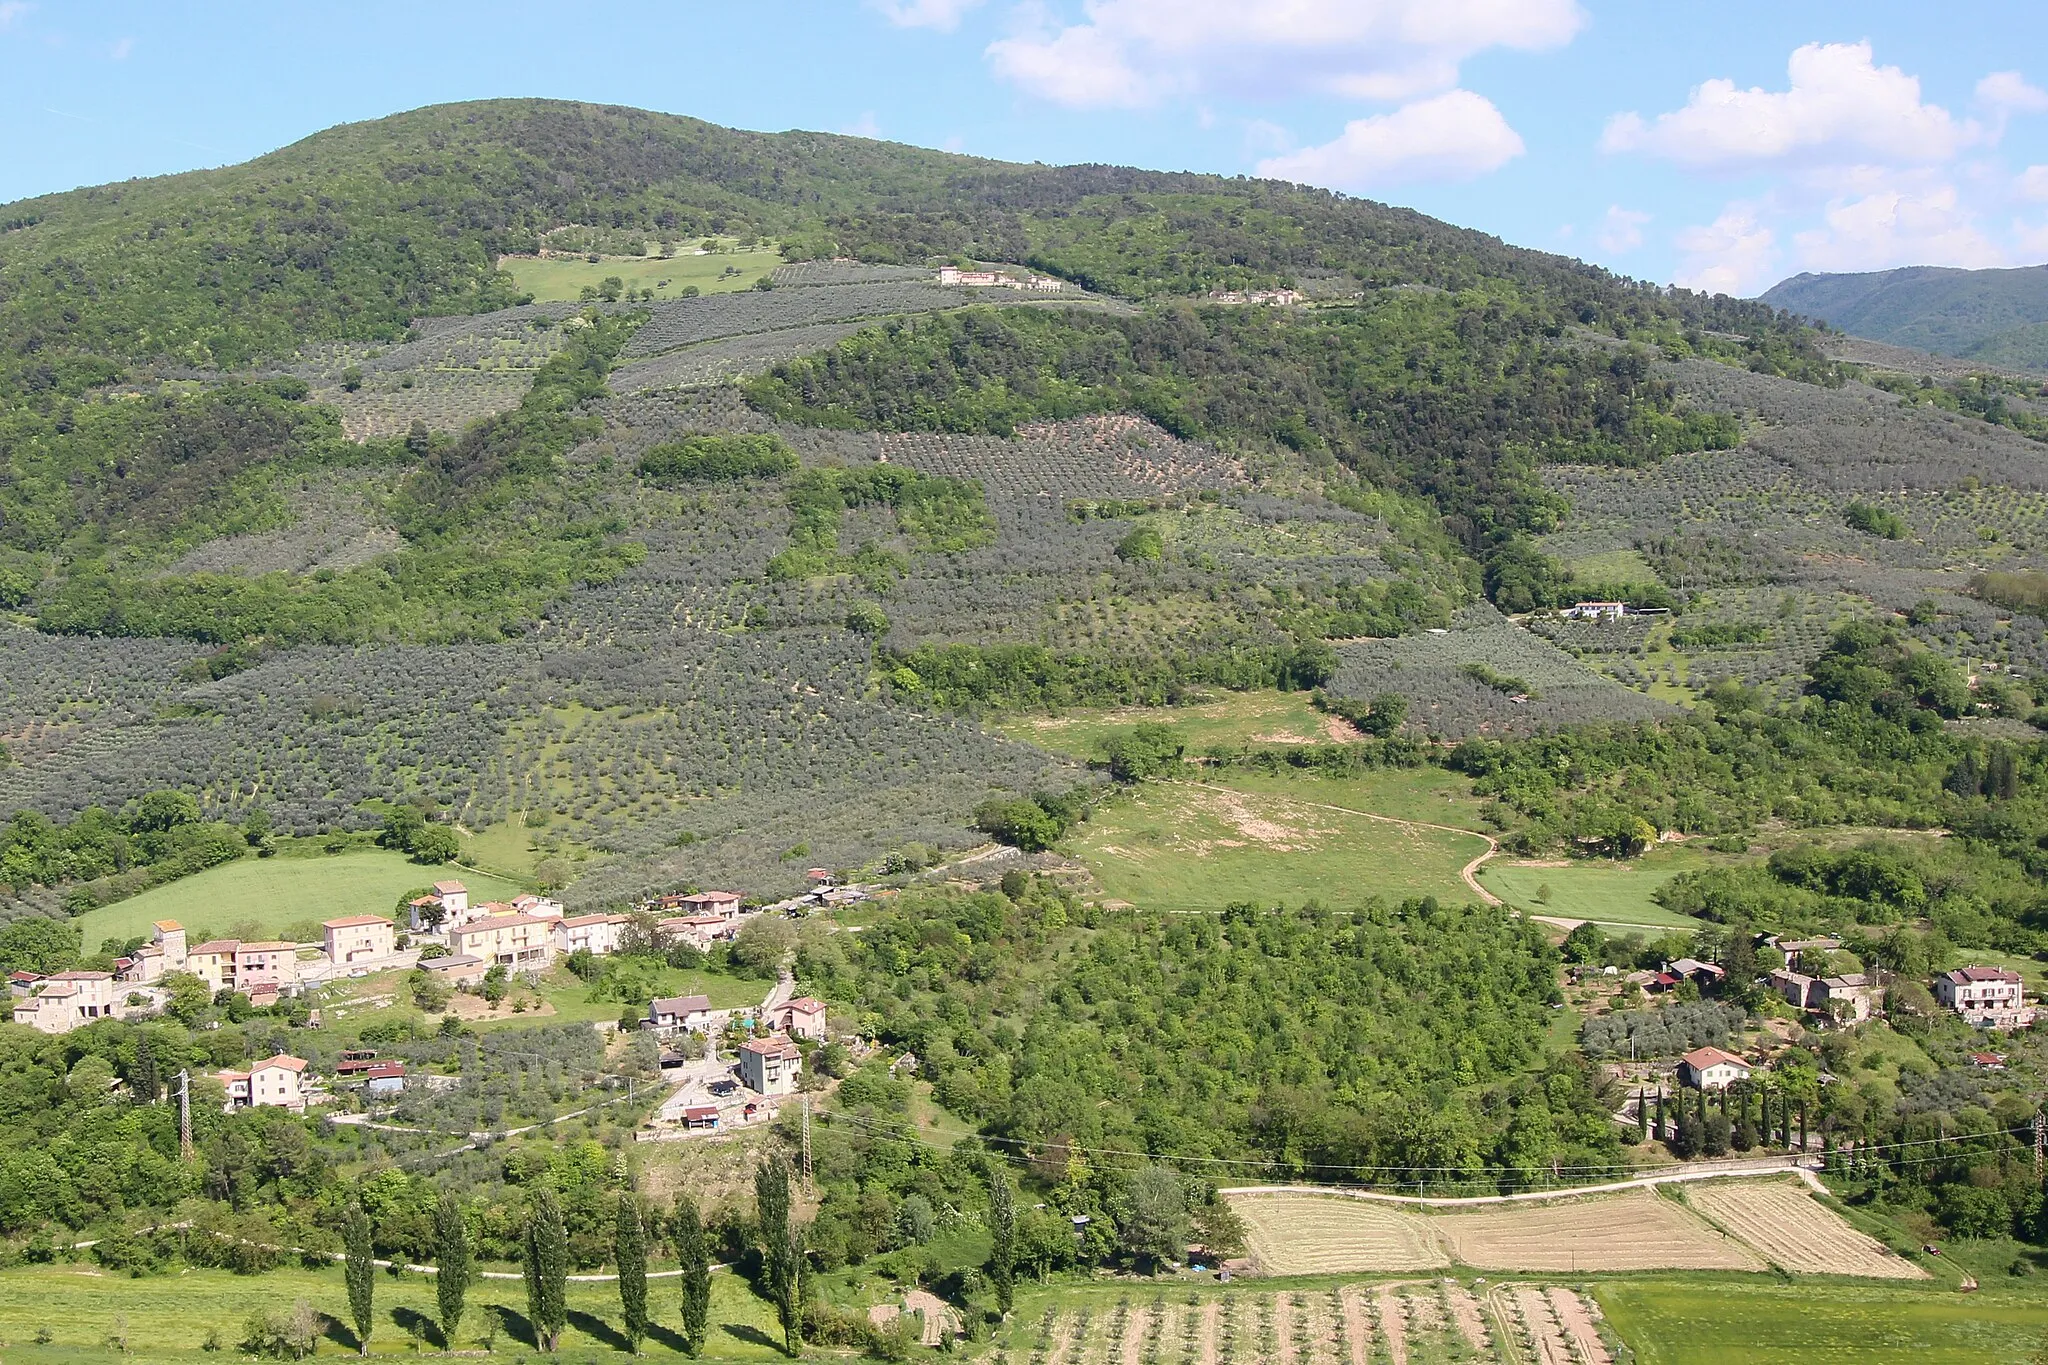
{"points": [[520, 943], [384, 1078], [1706, 975], [540, 907], [21, 983], [724, 904], [699, 931], [802, 1017], [1845, 998], [770, 1065], [214, 963], [459, 970], [64, 1001], [675, 1013], [358, 938], [1596, 611], [271, 967], [443, 907], [599, 935], [1986, 997], [276, 1082], [1712, 1068]]}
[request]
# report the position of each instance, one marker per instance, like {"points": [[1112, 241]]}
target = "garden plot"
{"points": [[1425, 1322], [1782, 1219], [1307, 1234]]}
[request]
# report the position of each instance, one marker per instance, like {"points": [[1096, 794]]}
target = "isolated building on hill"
{"points": [[599, 935], [1712, 1068], [770, 1065], [1596, 611], [358, 938], [1986, 997]]}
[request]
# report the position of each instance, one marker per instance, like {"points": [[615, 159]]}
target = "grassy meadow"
{"points": [[1261, 717], [1612, 894], [564, 277], [271, 893], [169, 1317], [1201, 846]]}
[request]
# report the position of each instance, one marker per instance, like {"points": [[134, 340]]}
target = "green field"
{"points": [[168, 1318], [1611, 894], [1614, 566], [563, 277], [1184, 846], [270, 893], [1262, 717], [1431, 796], [1729, 1322]]}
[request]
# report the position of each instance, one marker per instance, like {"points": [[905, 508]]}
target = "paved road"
{"points": [[1803, 1167]]}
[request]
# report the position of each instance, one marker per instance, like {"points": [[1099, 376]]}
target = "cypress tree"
{"points": [[1660, 1114], [1802, 1125], [453, 1268], [547, 1269], [781, 1250], [359, 1269], [693, 1253], [1002, 1226], [629, 1251], [1642, 1117]]}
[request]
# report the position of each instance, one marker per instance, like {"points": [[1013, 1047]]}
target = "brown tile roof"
{"points": [[1700, 1058], [351, 921], [218, 945], [450, 889], [289, 1063]]}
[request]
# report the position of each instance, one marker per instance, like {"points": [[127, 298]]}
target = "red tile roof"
{"points": [[351, 921], [1700, 1058]]}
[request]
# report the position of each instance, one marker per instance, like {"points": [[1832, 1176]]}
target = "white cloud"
{"points": [[2009, 92], [1917, 226], [1139, 52], [1734, 254], [1452, 136], [2033, 183], [121, 48], [943, 15], [11, 12], [1839, 106], [1622, 229], [864, 126]]}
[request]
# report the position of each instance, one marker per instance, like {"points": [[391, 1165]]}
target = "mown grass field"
{"points": [[564, 277], [271, 893], [1614, 895], [1730, 1322], [1201, 846], [1430, 796], [168, 1317]]}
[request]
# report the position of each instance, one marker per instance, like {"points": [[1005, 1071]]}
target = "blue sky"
{"points": [[1723, 145]]}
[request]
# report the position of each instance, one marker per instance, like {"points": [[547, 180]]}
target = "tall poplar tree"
{"points": [[547, 1269], [693, 1254], [453, 1266], [1002, 1227], [629, 1252], [359, 1269], [782, 1252]]}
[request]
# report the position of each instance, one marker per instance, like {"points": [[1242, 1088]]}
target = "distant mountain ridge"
{"points": [[1999, 317]]}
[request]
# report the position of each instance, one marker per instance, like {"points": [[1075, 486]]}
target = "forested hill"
{"points": [[1995, 317], [355, 231]]}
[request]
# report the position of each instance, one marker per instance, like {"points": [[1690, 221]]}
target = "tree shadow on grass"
{"points": [[750, 1333], [667, 1338], [598, 1329], [418, 1325], [340, 1333], [518, 1326]]}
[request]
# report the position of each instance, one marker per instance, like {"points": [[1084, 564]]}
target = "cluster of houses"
{"points": [[1270, 298], [1041, 284]]}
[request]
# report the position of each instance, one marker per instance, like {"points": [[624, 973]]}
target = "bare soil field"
{"points": [[1306, 1234], [1634, 1230], [1782, 1219]]}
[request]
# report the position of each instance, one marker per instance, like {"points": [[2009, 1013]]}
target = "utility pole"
{"points": [[2040, 1144], [185, 1116], [807, 1145]]}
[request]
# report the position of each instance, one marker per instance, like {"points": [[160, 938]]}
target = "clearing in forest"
{"points": [[565, 277], [1183, 846], [1782, 1219]]}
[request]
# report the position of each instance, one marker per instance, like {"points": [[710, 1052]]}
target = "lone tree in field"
{"points": [[1002, 1227], [453, 1268], [782, 1250], [693, 1254], [629, 1251], [1155, 1223], [359, 1268], [547, 1269]]}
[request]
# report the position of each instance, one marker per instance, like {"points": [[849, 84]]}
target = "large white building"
{"points": [[521, 943], [1987, 997], [358, 938]]}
